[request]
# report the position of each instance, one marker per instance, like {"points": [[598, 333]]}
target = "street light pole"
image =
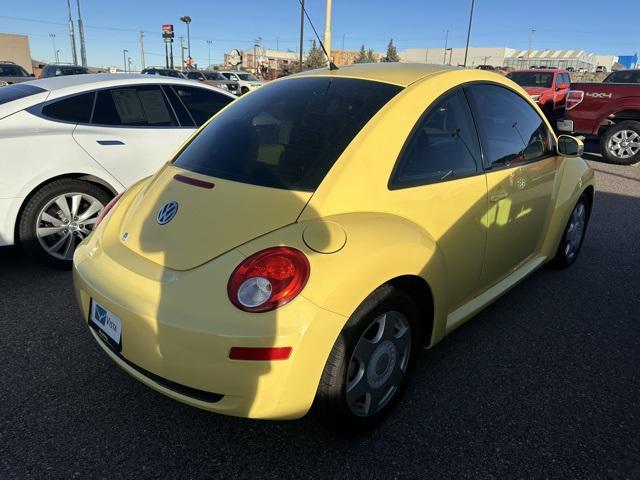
{"points": [[181, 38], [446, 41], [531, 37], [83, 51], [52, 36], [187, 19], [209, 42], [141, 50], [327, 31], [466, 50], [124, 56]]}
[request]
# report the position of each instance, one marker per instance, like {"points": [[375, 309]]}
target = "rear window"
{"points": [[288, 134], [16, 92], [623, 77], [12, 71], [532, 79]]}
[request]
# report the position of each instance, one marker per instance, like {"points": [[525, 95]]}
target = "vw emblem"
{"points": [[167, 212]]}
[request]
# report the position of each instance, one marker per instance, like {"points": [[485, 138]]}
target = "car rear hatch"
{"points": [[203, 217]]}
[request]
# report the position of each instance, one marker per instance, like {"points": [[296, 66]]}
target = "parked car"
{"points": [[307, 242], [548, 88], [601, 68], [571, 69], [11, 73], [58, 70], [215, 79], [163, 72], [609, 112], [246, 81], [486, 67], [63, 158]]}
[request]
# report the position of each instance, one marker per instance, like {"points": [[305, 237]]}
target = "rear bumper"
{"points": [[178, 329]]}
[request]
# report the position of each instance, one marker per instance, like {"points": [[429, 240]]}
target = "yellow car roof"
{"points": [[402, 74]]}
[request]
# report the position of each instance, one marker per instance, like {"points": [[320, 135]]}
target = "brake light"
{"points": [[106, 210], [268, 279], [259, 353], [574, 98]]}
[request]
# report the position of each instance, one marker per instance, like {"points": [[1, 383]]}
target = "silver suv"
{"points": [[246, 81], [12, 73]]}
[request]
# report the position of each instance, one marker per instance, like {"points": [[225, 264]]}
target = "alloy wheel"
{"points": [[624, 144], [575, 231], [65, 221]]}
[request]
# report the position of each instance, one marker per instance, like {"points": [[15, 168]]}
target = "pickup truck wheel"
{"points": [[621, 143], [547, 109]]}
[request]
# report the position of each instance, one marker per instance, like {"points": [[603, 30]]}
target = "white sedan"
{"points": [[70, 144]]}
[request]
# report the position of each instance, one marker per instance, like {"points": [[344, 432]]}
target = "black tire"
{"points": [[27, 224], [608, 153], [331, 399], [568, 252], [547, 109], [244, 90]]}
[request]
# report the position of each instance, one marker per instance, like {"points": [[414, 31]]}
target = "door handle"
{"points": [[496, 197], [109, 142]]}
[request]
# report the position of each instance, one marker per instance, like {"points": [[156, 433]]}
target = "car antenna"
{"points": [[332, 66]]}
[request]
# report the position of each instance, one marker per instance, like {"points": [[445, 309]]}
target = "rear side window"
{"points": [[444, 145], [18, 91], [510, 129], [143, 106], [286, 134], [624, 76], [201, 103], [178, 107], [75, 109]]}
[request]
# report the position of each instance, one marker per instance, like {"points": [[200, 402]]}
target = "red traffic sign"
{"points": [[167, 28]]}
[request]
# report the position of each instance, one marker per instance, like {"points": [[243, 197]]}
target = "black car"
{"points": [[12, 73], [165, 72], [59, 70]]}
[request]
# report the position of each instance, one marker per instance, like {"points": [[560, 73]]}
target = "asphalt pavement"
{"points": [[545, 383]]}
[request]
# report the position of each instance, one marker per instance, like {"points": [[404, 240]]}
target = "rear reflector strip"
{"points": [[193, 181], [268, 353]]}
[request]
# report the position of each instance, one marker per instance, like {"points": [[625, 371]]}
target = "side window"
{"points": [[559, 79], [178, 107], [511, 131], [567, 78], [75, 109], [444, 145], [201, 103], [142, 106]]}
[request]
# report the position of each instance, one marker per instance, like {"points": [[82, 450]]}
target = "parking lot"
{"points": [[543, 383]]}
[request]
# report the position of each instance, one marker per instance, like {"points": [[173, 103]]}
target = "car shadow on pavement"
{"points": [[542, 383]]}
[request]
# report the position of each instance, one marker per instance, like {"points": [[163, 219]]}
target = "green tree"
{"points": [[392, 53], [370, 57], [315, 57], [362, 56]]}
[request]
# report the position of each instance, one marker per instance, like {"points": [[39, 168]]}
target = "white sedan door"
{"points": [[134, 131]]}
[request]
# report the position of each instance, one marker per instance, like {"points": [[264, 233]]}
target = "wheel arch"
{"points": [[97, 181], [420, 291]]}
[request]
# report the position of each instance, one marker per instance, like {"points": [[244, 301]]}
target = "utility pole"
{"points": [[52, 36], [277, 43], [141, 51], [83, 51], [130, 63], [466, 50], [327, 31], [209, 42], [301, 31], [343, 41], [124, 57], [181, 38], [72, 36], [187, 19], [446, 41], [171, 55]]}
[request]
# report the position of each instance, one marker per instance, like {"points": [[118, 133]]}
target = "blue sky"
{"points": [[111, 26]]}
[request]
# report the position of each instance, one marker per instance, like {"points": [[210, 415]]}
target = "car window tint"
{"points": [[286, 134], [511, 131], [17, 91], [71, 109], [143, 106], [444, 145], [12, 71], [201, 103], [178, 107]]}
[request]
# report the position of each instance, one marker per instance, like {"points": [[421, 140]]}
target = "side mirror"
{"points": [[562, 86], [569, 146]]}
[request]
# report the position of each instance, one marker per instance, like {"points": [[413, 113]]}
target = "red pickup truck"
{"points": [[547, 87], [609, 111]]}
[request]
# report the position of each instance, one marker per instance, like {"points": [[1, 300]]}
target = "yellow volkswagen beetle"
{"points": [[306, 242]]}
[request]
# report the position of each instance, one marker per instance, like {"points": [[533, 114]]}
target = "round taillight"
{"points": [[268, 279], [106, 210]]}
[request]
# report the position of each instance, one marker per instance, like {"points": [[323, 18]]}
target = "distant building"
{"points": [[607, 61], [455, 56], [275, 61], [15, 48], [553, 58], [628, 61]]}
